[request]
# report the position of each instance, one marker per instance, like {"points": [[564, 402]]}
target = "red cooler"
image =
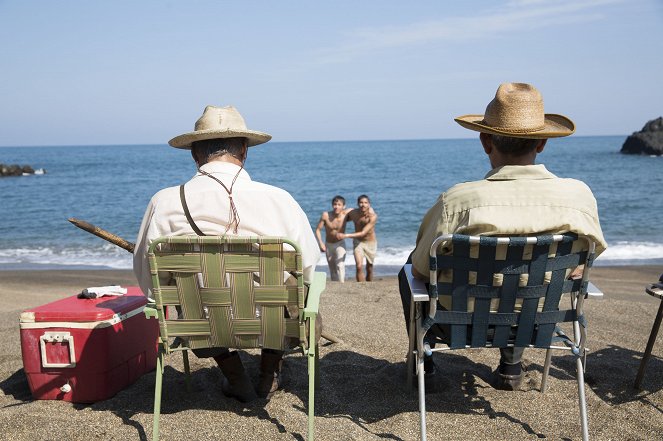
{"points": [[87, 350]]}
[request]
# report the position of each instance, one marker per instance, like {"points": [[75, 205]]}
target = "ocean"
{"points": [[111, 185]]}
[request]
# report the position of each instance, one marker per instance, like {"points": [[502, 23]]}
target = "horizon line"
{"points": [[288, 142]]}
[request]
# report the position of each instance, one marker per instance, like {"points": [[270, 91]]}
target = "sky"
{"points": [[141, 72]]}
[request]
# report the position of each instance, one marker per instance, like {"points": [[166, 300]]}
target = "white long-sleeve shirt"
{"points": [[264, 210]]}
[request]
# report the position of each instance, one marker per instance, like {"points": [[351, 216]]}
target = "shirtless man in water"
{"points": [[364, 240], [334, 248]]}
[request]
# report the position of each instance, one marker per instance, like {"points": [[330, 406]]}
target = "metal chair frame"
{"points": [[520, 320]]}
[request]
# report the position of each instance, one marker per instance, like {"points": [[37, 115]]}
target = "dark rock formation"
{"points": [[19, 170], [648, 141]]}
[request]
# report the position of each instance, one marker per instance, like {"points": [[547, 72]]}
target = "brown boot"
{"points": [[236, 383], [270, 373]]}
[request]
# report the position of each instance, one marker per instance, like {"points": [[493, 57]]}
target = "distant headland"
{"points": [[648, 141]]}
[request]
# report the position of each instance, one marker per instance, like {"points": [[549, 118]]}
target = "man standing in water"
{"points": [[333, 222], [364, 239]]}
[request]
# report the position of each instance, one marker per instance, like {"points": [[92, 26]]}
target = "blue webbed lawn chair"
{"points": [[503, 292]]}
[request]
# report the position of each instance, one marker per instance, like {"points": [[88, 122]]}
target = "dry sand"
{"points": [[361, 394]]}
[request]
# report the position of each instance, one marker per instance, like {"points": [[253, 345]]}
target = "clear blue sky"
{"points": [[129, 72]]}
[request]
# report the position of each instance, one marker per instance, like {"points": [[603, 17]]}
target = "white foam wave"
{"points": [[110, 256], [385, 256], [105, 256], [617, 251], [623, 250]]}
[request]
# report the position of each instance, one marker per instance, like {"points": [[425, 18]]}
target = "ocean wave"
{"points": [[110, 256], [623, 250], [105, 256]]}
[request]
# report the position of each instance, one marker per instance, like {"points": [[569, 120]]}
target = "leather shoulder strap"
{"points": [[188, 214]]}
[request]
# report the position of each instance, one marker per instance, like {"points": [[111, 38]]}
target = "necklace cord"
{"points": [[233, 214]]}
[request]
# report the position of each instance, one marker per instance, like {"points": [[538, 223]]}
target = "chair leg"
{"points": [[650, 346], [317, 366], [187, 371], [312, 379], [409, 365], [546, 369], [422, 394], [581, 399], [157, 396]]}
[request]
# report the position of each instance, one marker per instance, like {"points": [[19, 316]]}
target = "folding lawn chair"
{"points": [[231, 293], [504, 292]]}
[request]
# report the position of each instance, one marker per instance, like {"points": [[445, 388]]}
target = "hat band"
{"points": [[511, 129]]}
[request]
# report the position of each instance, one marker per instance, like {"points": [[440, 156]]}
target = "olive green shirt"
{"points": [[511, 200]]}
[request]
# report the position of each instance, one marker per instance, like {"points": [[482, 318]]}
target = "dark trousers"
{"points": [[507, 355]]}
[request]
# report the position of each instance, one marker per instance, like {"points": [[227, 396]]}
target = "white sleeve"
{"points": [[305, 237], [148, 232]]}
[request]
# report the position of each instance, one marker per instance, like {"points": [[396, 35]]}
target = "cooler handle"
{"points": [[57, 337]]}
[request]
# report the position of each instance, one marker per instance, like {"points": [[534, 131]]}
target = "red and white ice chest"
{"points": [[87, 350]]}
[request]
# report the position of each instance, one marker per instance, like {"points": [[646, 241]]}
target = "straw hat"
{"points": [[219, 122], [517, 111]]}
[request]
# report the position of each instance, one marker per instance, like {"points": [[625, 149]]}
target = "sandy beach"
{"points": [[362, 393]]}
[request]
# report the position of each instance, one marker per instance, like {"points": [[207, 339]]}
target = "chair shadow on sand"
{"points": [[610, 373], [366, 390], [362, 389], [352, 386]]}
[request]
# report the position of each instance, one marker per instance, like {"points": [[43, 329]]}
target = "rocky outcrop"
{"points": [[648, 141], [19, 170]]}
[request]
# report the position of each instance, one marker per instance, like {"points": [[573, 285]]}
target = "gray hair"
{"points": [[210, 149], [508, 145]]}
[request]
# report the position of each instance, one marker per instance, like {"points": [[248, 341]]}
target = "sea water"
{"points": [[111, 185]]}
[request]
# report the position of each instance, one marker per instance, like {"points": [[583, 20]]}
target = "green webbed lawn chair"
{"points": [[231, 292], [526, 277]]}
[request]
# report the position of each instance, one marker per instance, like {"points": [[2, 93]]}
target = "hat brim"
{"points": [[555, 126], [184, 141]]}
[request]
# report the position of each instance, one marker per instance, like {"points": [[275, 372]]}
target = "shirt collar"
{"points": [[511, 172], [224, 168]]}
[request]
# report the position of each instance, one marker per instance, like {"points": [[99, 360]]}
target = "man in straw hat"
{"points": [[516, 197], [221, 198]]}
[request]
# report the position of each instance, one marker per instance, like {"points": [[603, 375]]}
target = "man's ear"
{"points": [[541, 145], [486, 142]]}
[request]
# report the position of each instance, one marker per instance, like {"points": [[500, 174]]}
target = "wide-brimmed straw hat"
{"points": [[219, 122], [517, 111]]}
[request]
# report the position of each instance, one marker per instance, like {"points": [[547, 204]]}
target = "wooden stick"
{"points": [[110, 237]]}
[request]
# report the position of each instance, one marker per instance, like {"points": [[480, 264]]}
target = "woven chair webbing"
{"points": [[481, 327], [242, 300]]}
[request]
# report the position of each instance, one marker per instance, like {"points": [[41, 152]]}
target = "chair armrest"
{"points": [[655, 290], [593, 291], [417, 286], [150, 311], [314, 292]]}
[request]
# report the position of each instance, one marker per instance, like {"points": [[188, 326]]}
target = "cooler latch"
{"points": [[57, 337]]}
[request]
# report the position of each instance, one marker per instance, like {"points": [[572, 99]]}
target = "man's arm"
{"points": [[364, 231], [346, 215], [318, 236], [418, 275], [147, 233], [433, 224]]}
